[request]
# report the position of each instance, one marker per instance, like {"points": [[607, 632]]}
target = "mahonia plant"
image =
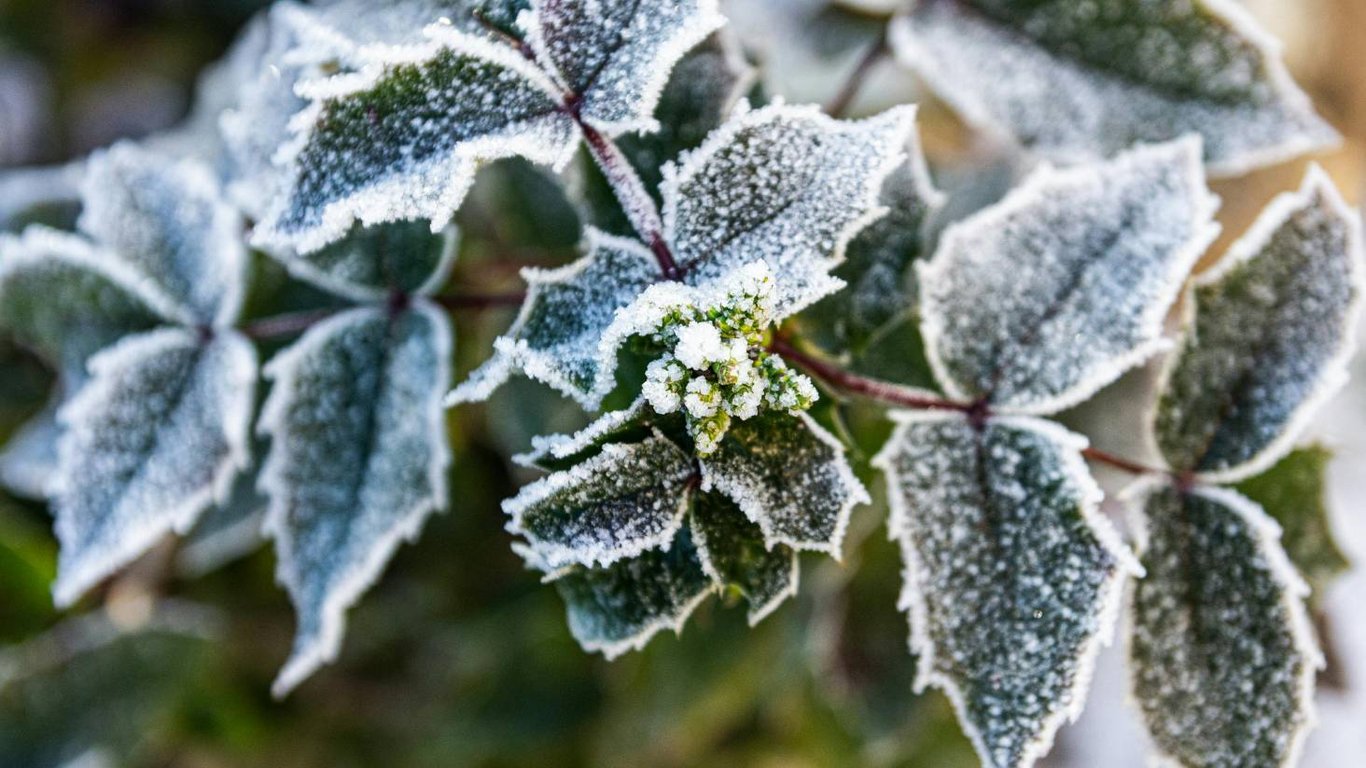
{"points": [[741, 259]]}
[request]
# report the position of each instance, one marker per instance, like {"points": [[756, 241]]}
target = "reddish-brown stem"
{"points": [[480, 300], [1119, 462], [854, 384], [840, 104]]}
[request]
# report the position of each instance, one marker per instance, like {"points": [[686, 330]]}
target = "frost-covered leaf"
{"points": [[403, 138], [1077, 81], [232, 528], [1269, 338], [1012, 575], [1039, 301], [1293, 493], [624, 501], [157, 436], [557, 337], [790, 477], [373, 263], [619, 608], [616, 56], [1222, 657], [167, 220], [732, 552], [357, 462], [784, 185], [878, 270], [555, 452], [344, 31]]}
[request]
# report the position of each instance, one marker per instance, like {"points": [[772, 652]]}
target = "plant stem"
{"points": [[479, 300], [1119, 462], [840, 104]]}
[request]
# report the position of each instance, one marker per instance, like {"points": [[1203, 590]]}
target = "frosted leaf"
{"points": [[1222, 657], [1039, 301], [1268, 340], [230, 529], [154, 439], [560, 451], [558, 335], [878, 268], [357, 462], [1012, 575], [790, 477], [373, 263], [1294, 494], [619, 608], [403, 138], [733, 554], [784, 185], [168, 221], [1078, 81], [348, 31], [617, 504], [616, 56]]}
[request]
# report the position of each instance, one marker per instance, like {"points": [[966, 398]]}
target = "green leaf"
{"points": [[619, 608], [1077, 81], [557, 452], [1041, 300], [733, 553], [1293, 493], [373, 263], [790, 477], [357, 464], [1222, 654], [1013, 577], [624, 501], [1268, 339]]}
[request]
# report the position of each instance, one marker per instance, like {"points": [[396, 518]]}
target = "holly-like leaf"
{"points": [[557, 338], [790, 477], [156, 437], [1075, 81], [1293, 493], [1013, 577], [733, 553], [374, 263], [345, 31], [230, 529], [616, 57], [1268, 339], [784, 185], [624, 501], [563, 451], [168, 221], [403, 138], [619, 608], [1039, 301], [357, 462], [1222, 654]]}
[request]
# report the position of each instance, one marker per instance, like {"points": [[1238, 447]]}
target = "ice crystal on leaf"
{"points": [[402, 137], [1039, 301], [1268, 340], [1077, 81], [1222, 655], [732, 552], [1012, 576], [357, 462]]}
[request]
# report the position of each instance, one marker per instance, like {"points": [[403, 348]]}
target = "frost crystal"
{"points": [[1269, 338], [1012, 576], [152, 441], [1222, 655], [357, 463], [790, 477], [1077, 81], [1039, 301], [733, 554]]}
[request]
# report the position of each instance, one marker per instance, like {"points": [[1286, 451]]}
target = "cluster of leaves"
{"points": [[339, 140]]}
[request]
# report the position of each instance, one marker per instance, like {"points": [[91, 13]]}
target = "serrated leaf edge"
{"points": [[304, 270], [563, 446], [755, 613]]}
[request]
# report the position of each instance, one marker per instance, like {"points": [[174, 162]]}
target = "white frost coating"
{"points": [[155, 437], [401, 441], [1043, 299], [1334, 373], [614, 650], [624, 501], [1068, 447], [1294, 590], [756, 612], [1004, 83], [617, 56], [432, 167], [371, 264], [797, 487], [786, 185], [564, 446], [22, 189], [167, 219]]}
